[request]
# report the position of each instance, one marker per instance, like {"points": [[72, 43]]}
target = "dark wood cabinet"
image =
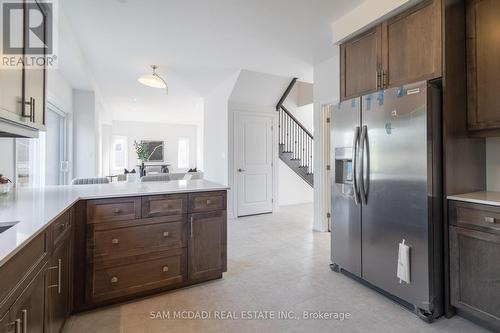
{"points": [[207, 245], [29, 309], [360, 64], [404, 49], [59, 286], [483, 65], [6, 325], [474, 239], [412, 48]]}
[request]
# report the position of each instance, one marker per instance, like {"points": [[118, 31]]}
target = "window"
{"points": [[183, 153], [119, 153]]}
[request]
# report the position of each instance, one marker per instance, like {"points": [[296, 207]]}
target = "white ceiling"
{"points": [[197, 44]]}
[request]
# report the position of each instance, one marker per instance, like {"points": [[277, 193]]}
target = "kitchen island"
{"points": [[72, 248]]}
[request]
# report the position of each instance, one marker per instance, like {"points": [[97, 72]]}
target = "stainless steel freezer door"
{"points": [[346, 213], [395, 175]]}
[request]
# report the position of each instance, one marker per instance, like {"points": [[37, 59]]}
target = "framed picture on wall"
{"points": [[155, 150]]}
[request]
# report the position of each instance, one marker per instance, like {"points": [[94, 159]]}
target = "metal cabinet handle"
{"points": [[114, 279], [115, 241], [33, 104], [167, 206], [59, 276], [209, 202], [165, 269], [488, 219], [17, 325], [24, 318], [117, 211], [166, 234], [355, 147], [378, 79], [191, 226], [384, 79], [241, 170], [30, 103]]}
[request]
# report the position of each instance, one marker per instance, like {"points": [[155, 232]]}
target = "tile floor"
{"points": [[275, 263]]}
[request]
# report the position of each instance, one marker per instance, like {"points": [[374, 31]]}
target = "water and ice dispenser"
{"points": [[343, 166]]}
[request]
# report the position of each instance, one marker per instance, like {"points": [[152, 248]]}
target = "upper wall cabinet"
{"points": [[23, 87], [412, 45], [404, 49], [483, 64], [360, 63]]}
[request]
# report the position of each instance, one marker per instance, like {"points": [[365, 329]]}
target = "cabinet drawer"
{"points": [[482, 217], [120, 281], [475, 274], [60, 227], [205, 202], [18, 270], [121, 242], [113, 209], [163, 205]]}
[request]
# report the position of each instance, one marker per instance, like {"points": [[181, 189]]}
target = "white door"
{"points": [[254, 163]]}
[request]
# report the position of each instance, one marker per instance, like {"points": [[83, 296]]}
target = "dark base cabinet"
{"points": [[475, 262], [144, 245]]}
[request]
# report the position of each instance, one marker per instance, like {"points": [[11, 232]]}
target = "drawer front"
{"points": [[205, 202], [60, 227], [108, 210], [139, 239], [163, 205], [482, 217], [14, 273], [119, 281]]}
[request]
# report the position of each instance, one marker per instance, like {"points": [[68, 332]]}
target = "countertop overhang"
{"points": [[483, 198], [36, 208]]}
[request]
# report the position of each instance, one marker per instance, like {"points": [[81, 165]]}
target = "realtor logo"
{"points": [[27, 33]]}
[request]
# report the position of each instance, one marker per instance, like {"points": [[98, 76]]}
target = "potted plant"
{"points": [[5, 184], [142, 154]]}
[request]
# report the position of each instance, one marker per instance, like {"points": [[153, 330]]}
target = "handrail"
{"points": [[298, 122], [285, 95]]}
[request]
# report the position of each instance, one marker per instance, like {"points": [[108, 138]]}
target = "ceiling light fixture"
{"points": [[153, 80]]}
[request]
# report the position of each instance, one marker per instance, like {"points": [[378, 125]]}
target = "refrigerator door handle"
{"points": [[355, 155], [365, 165]]}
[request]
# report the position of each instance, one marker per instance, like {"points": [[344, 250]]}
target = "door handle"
{"points": [[241, 170], [191, 227], [365, 164], [355, 146]]}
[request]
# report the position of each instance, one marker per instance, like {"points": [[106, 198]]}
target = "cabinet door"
{"points": [[59, 286], [412, 45], [475, 273], [35, 83], [360, 64], [11, 79], [483, 64], [207, 245], [28, 310]]}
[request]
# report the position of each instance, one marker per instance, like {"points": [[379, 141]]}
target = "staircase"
{"points": [[296, 144]]}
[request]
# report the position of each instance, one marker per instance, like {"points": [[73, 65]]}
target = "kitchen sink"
{"points": [[4, 226]]}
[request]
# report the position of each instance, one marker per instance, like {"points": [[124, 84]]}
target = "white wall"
{"points": [[215, 131], [169, 133], [7, 150], [292, 189], [85, 139], [326, 90], [493, 164]]}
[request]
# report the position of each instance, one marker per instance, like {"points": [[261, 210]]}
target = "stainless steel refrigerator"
{"points": [[387, 191]]}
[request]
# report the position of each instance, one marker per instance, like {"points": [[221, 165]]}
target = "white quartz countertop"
{"points": [[34, 209], [485, 198]]}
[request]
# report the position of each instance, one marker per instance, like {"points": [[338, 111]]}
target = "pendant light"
{"points": [[153, 80]]}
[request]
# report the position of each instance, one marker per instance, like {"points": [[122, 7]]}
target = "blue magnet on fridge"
{"points": [[380, 98], [400, 92], [368, 101]]}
